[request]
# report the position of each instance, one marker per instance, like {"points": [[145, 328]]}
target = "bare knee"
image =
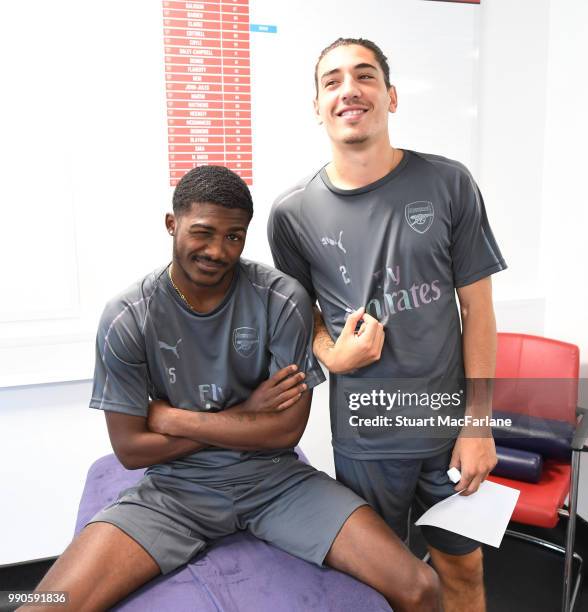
{"points": [[424, 592], [461, 572]]}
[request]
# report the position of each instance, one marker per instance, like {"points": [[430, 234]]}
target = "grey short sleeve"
{"points": [[283, 233], [474, 250], [121, 374], [289, 321], [292, 331]]}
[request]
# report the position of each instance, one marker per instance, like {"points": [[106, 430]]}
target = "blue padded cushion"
{"points": [[518, 464], [550, 438]]}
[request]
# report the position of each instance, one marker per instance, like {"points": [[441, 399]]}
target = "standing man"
{"points": [[204, 370], [384, 238]]}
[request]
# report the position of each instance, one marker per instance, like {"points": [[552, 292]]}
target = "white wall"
{"points": [[511, 133], [48, 440], [84, 174], [563, 239], [533, 130], [564, 257], [533, 133]]}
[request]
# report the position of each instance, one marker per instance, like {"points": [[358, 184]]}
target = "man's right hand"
{"points": [[278, 392], [356, 350]]}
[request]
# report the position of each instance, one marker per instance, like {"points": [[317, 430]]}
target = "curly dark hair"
{"points": [[214, 184], [363, 42]]}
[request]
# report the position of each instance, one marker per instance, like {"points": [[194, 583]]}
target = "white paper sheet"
{"points": [[482, 516]]}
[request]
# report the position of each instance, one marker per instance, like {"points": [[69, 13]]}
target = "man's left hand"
{"points": [[475, 458]]}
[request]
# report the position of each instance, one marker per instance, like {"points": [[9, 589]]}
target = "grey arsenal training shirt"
{"points": [[151, 345], [400, 247]]}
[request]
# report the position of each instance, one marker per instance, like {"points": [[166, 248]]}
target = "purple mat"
{"points": [[238, 573]]}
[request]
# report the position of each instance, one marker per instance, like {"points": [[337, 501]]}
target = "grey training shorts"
{"points": [[288, 504], [391, 485]]}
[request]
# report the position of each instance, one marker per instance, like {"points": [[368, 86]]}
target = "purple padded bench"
{"points": [[238, 573]]}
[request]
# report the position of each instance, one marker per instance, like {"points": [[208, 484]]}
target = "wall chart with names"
{"points": [[208, 85]]}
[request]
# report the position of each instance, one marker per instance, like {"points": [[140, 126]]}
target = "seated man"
{"points": [[223, 349]]}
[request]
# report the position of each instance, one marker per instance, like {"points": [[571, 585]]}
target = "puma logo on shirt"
{"points": [[168, 347], [326, 241]]}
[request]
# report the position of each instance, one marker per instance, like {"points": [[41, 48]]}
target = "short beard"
{"points": [[355, 140], [176, 261], [215, 284]]}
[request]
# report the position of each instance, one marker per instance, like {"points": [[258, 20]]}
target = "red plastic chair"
{"points": [[552, 394]]}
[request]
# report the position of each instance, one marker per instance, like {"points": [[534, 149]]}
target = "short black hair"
{"points": [[214, 184], [363, 42]]}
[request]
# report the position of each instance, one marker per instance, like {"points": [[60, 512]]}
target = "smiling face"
{"points": [[352, 99], [208, 242]]}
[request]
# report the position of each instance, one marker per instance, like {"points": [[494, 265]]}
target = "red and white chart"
{"points": [[208, 84]]}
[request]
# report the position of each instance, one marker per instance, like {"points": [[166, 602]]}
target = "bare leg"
{"points": [[370, 551], [100, 567], [462, 580]]}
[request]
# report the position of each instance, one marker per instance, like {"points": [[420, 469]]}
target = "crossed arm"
{"points": [[274, 416]]}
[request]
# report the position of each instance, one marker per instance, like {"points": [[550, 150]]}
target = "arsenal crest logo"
{"points": [[245, 340], [419, 216]]}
